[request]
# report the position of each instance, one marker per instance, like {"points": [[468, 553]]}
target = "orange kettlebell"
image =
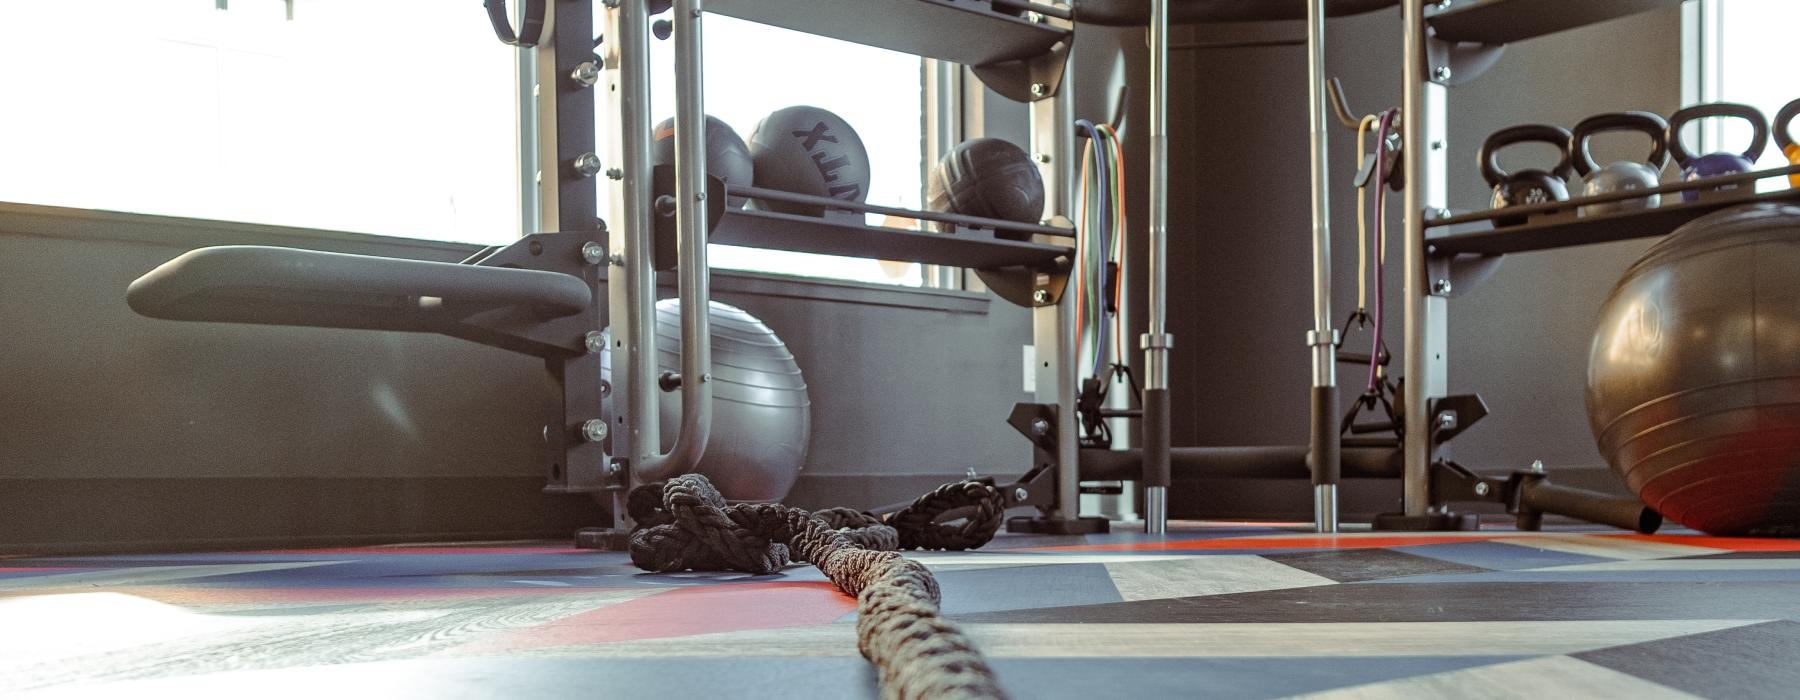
{"points": [[1784, 136]]}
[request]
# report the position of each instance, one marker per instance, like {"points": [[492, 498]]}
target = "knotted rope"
{"points": [[685, 524]]}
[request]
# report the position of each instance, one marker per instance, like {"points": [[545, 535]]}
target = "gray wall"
{"points": [[1240, 232], [126, 432]]}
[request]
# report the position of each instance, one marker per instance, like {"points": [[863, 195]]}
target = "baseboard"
{"points": [[80, 516]]}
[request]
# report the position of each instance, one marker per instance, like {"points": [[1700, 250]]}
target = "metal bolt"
{"points": [[1442, 213], [613, 469], [1446, 420], [1039, 89], [594, 430], [1041, 296], [1040, 427], [1442, 73], [595, 341], [615, 174], [1042, 157], [587, 164], [586, 73], [1020, 494], [699, 196], [705, 377], [1034, 17], [1437, 145], [1481, 488], [593, 252], [616, 260], [1537, 466], [1441, 287]]}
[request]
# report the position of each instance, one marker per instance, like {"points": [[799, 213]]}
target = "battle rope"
{"points": [[685, 524]]}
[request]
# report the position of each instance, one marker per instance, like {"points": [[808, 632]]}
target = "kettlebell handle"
{"points": [[1646, 123], [1759, 125], [1784, 125], [1524, 133]]}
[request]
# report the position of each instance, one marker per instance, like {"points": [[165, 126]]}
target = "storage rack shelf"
{"points": [[1509, 21], [970, 32], [1560, 225], [845, 233]]}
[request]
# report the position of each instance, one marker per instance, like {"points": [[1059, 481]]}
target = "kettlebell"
{"points": [[1624, 175], [1695, 167], [1526, 186], [1784, 137]]}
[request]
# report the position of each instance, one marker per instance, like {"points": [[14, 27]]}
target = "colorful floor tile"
{"points": [[1231, 611]]}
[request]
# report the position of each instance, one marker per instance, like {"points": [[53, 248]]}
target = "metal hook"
{"points": [[1341, 106]]}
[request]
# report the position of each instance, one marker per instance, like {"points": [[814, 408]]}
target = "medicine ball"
{"points": [[807, 150], [727, 158], [989, 178], [1693, 388], [762, 414]]}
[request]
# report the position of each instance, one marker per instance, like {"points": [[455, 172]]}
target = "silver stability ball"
{"points": [[762, 416]]}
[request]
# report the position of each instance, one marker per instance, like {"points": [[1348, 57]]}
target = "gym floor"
{"points": [[1215, 610]]}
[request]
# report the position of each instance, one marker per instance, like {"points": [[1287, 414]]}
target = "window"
{"points": [[393, 117], [753, 69], [1742, 51]]}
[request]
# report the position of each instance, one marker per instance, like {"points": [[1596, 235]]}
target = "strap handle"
{"points": [[1784, 125], [1759, 125], [1646, 123], [1524, 133], [530, 31]]}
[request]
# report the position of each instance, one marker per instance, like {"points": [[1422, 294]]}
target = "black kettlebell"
{"points": [[1624, 175], [1531, 186], [1700, 167]]}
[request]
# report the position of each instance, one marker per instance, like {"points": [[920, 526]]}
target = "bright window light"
{"points": [[393, 117], [1748, 57]]}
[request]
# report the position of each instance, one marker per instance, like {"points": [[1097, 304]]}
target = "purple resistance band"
{"points": [[1380, 243]]}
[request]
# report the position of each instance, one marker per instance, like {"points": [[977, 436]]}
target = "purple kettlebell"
{"points": [[1701, 167]]}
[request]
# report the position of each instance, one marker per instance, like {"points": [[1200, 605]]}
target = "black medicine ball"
{"points": [[727, 158], [807, 150], [990, 178]]}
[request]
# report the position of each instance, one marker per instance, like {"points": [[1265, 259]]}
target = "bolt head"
{"points": [[1042, 157], [1446, 420], [1481, 489], [1441, 287], [1040, 427], [1041, 296], [1437, 145], [594, 430], [595, 341], [615, 174], [1537, 466], [593, 252], [587, 164], [1020, 494], [613, 468], [1039, 89], [586, 73], [1442, 73]]}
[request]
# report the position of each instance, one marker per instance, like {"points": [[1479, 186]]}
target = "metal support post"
{"points": [[1423, 109], [692, 273], [1156, 340], [1054, 335], [1324, 448]]}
